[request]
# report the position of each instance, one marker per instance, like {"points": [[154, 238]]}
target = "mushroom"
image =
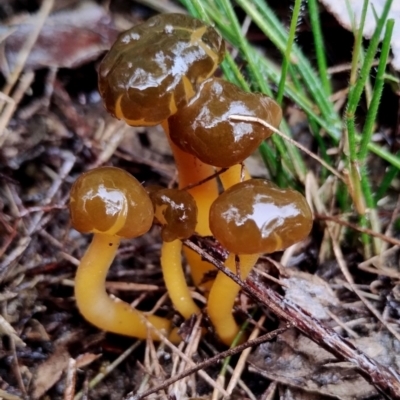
{"points": [[111, 204], [203, 127], [176, 211], [248, 219], [151, 71], [154, 68]]}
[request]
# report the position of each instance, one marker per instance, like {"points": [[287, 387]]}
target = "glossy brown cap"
{"points": [[256, 216], [176, 211], [154, 68], [203, 127], [111, 201]]}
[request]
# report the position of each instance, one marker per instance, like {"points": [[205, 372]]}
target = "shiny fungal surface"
{"points": [[176, 211], [155, 67], [110, 200], [256, 216], [203, 127]]}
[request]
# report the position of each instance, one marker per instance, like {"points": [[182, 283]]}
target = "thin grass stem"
{"points": [[286, 55], [357, 89], [358, 39], [377, 93], [319, 46]]}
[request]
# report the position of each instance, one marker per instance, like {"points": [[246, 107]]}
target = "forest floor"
{"points": [[323, 314]]}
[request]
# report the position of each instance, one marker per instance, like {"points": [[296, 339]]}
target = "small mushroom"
{"points": [[251, 218], [203, 127], [111, 204], [154, 68], [176, 211]]}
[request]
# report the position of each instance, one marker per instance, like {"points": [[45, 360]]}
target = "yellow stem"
{"points": [[111, 315], [174, 278], [191, 170], [222, 297], [233, 175]]}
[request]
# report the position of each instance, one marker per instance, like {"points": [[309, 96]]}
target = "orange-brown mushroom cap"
{"points": [[203, 127], [175, 210], [155, 67], [256, 216], [109, 200]]}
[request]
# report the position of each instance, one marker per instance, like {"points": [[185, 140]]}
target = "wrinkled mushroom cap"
{"points": [[111, 201], [203, 127], [175, 210], [154, 68], [256, 216]]}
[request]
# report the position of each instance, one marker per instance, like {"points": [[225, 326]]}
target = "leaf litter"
{"points": [[295, 360], [49, 137]]}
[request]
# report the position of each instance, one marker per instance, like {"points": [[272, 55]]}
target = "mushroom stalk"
{"points": [[234, 175], [191, 170], [139, 83], [224, 291], [174, 278], [222, 297], [251, 218], [96, 306]]}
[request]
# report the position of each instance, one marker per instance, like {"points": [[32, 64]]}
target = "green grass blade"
{"points": [[393, 159], [267, 21], [377, 93], [319, 46], [286, 56], [357, 89], [358, 38], [357, 175], [228, 24]]}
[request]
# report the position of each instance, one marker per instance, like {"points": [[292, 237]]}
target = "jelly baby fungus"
{"points": [[151, 71], [176, 211], [251, 218], [154, 68], [111, 204], [203, 127]]}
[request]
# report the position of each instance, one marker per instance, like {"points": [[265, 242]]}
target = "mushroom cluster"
{"points": [[161, 72]]}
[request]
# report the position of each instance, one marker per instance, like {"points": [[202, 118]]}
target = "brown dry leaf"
{"points": [[298, 362], [339, 9], [382, 347], [50, 371], [290, 393], [309, 292], [68, 39], [86, 359]]}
